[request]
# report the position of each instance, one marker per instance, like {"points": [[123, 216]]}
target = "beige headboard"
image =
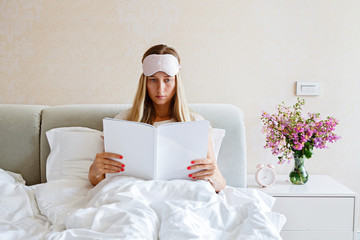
{"points": [[19, 140]]}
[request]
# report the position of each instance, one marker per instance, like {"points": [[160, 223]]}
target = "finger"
{"points": [[111, 171], [208, 175], [113, 163], [202, 173], [115, 168], [201, 161], [109, 155], [205, 177], [101, 166], [202, 167], [102, 161]]}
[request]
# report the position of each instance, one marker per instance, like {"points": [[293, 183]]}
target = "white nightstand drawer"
{"points": [[316, 213], [317, 235]]}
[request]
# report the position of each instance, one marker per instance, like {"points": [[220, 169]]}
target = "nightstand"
{"points": [[321, 209]]}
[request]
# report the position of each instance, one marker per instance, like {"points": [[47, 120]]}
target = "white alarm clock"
{"points": [[265, 175]]}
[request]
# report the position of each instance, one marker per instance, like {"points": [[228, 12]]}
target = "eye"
{"points": [[152, 79]]}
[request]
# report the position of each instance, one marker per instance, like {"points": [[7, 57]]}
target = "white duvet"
{"points": [[128, 208]]}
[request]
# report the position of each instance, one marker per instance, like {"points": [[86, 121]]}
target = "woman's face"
{"points": [[161, 88]]}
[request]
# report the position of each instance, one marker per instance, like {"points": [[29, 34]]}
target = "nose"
{"points": [[160, 86]]}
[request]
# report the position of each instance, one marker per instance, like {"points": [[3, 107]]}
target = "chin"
{"points": [[160, 101]]}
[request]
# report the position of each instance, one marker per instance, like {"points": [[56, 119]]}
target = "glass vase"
{"points": [[299, 175]]}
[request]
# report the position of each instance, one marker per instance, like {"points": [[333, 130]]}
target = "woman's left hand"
{"points": [[208, 170]]}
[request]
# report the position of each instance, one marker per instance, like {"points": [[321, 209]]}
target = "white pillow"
{"points": [[217, 137], [73, 150]]}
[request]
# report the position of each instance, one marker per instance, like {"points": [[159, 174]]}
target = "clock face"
{"points": [[265, 177]]}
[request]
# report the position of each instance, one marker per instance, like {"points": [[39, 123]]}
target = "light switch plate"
{"points": [[307, 88]]}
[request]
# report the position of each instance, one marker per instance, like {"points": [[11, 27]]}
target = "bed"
{"points": [[45, 193]]}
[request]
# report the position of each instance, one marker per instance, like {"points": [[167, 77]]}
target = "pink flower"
{"points": [[287, 131]]}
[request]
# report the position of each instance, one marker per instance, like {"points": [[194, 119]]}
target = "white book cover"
{"points": [[161, 153]]}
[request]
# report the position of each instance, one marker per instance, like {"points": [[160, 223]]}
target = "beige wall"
{"points": [[248, 53]]}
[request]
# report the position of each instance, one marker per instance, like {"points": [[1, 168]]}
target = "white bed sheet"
{"points": [[20, 217], [129, 208]]}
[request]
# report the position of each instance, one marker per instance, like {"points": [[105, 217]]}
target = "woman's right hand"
{"points": [[104, 164]]}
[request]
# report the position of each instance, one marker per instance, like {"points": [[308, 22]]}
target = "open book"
{"points": [[161, 153]]}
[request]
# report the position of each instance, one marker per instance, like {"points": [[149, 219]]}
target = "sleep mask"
{"points": [[160, 63]]}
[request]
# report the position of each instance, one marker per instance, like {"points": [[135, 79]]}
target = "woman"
{"points": [[160, 99]]}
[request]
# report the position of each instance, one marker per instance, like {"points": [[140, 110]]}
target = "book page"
{"points": [[178, 144], [135, 142]]}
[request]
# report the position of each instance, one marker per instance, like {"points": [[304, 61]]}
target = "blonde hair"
{"points": [[143, 109]]}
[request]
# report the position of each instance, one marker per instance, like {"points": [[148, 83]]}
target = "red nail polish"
{"points": [[121, 157], [190, 175], [123, 165], [193, 177], [188, 168], [118, 171], [192, 162], [122, 170]]}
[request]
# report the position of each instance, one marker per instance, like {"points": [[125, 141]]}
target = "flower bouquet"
{"points": [[290, 135]]}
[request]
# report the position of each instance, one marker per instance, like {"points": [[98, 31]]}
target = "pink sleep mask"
{"points": [[160, 63]]}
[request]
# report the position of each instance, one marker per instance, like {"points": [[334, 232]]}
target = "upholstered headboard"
{"points": [[24, 147], [19, 140]]}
